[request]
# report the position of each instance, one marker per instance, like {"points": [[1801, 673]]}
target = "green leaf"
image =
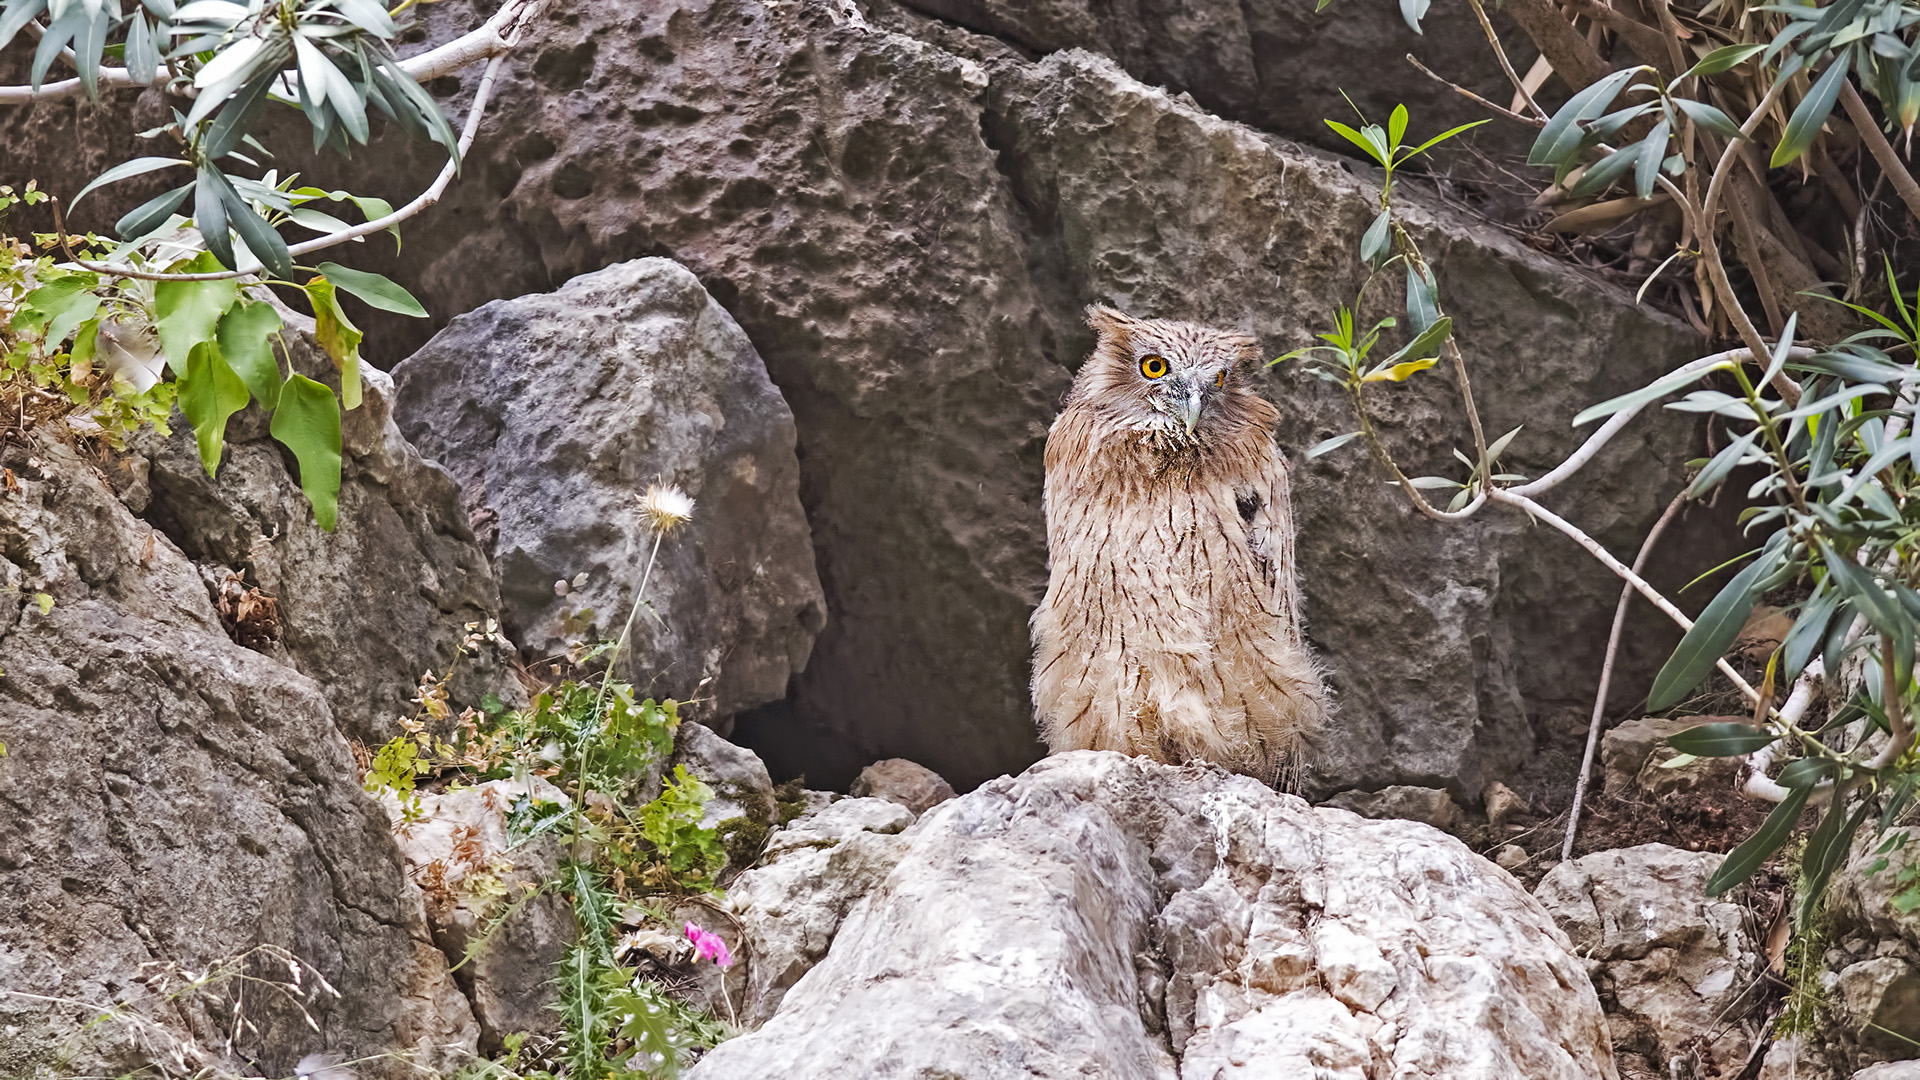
{"points": [[1721, 740], [1806, 771], [374, 290], [137, 167], [1880, 609], [1328, 445], [45, 602], [246, 333], [1723, 463], [261, 238], [1709, 117], [1562, 136], [338, 336], [1397, 122], [1657, 389], [1725, 58], [210, 392], [1499, 445], [1601, 174], [1400, 372], [1804, 125], [1712, 634], [210, 215], [1652, 149], [152, 214], [307, 422], [1378, 240], [1809, 630], [1440, 138], [1358, 140], [1753, 852], [1423, 306], [1826, 851], [1425, 344], [186, 312]]}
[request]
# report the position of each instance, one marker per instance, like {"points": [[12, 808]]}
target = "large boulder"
{"points": [[176, 803], [907, 234], [1670, 960], [555, 411], [1105, 915], [367, 610]]}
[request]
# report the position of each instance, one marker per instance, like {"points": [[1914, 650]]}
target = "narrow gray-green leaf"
{"points": [[1712, 634], [1329, 445], [373, 290], [1721, 740], [1804, 125], [1754, 852], [1725, 58]]}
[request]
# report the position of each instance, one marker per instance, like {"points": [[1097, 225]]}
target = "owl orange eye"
{"points": [[1220, 379], [1153, 367]]}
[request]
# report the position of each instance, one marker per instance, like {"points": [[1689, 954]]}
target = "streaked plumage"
{"points": [[1171, 624]]}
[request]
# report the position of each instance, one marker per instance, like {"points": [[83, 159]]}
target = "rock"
{"points": [[815, 869], [1765, 629], [1103, 915], [1661, 776], [1879, 1000], [1510, 857], [913, 786], [470, 870], [179, 802], [555, 411], [742, 808], [1889, 1070], [1250, 61], [372, 606], [1430, 805], [1673, 957], [1504, 807], [1624, 749], [908, 236], [1794, 1058], [1860, 896]]}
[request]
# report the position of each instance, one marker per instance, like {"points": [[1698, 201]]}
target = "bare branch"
{"points": [[1531, 121]]}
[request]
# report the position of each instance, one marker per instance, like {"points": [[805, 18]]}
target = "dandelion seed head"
{"points": [[665, 507]]}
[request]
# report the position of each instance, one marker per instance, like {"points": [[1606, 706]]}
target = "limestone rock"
{"points": [[1860, 896], [815, 869], [556, 411], [1887, 1070], [1879, 1000], [368, 608], [1625, 748], [1794, 1058], [180, 800], [912, 785], [1672, 957], [1430, 805], [461, 854], [1108, 915]]}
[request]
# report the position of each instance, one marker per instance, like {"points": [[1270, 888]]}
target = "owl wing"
{"points": [[1266, 507]]}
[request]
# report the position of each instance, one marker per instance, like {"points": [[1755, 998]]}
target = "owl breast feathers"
{"points": [[1171, 624]]}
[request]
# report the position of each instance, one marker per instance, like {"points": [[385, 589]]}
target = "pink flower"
{"points": [[708, 945]]}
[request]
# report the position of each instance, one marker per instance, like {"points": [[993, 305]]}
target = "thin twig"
{"points": [[1499, 52], [1475, 98], [1606, 673]]}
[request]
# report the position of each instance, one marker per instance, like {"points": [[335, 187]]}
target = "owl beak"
{"points": [[1187, 408]]}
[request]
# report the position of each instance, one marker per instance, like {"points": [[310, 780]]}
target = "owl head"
{"points": [[1175, 378]]}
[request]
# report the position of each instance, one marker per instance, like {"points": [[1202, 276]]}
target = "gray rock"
{"points": [[1430, 805], [815, 869], [1879, 1001], [368, 608], [1674, 958], [1624, 749], [556, 411], [1795, 1058], [1889, 1070], [1101, 914], [178, 800], [908, 236], [912, 785], [1860, 896], [460, 853]]}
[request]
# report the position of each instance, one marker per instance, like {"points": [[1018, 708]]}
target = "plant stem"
{"points": [[1890, 164]]}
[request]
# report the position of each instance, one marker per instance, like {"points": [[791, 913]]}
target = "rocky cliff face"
{"points": [[906, 222]]}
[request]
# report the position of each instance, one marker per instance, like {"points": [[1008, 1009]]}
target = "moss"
{"points": [[790, 800], [742, 838]]}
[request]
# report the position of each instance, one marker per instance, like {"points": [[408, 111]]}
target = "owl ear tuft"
{"points": [[1109, 323]]}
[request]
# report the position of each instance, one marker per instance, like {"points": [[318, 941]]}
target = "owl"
{"points": [[1171, 623]]}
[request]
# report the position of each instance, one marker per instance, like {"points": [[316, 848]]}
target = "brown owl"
{"points": [[1171, 625]]}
